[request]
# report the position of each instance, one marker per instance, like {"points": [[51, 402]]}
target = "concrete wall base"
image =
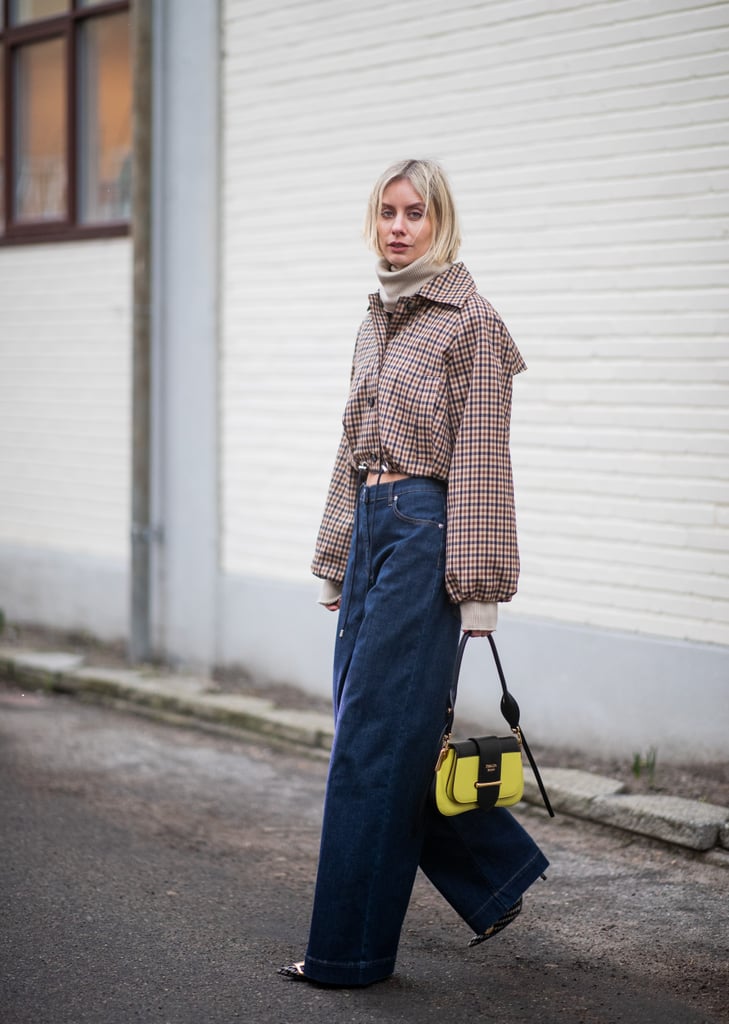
{"points": [[609, 693], [600, 691], [64, 590]]}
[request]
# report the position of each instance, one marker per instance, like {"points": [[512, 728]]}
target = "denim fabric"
{"points": [[393, 659]]}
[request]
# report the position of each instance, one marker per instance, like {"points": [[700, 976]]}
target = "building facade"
{"points": [[587, 148]]}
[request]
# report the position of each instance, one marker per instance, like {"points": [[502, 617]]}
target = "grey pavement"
{"points": [[153, 874], [197, 701]]}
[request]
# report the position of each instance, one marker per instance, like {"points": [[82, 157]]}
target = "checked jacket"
{"points": [[430, 395]]}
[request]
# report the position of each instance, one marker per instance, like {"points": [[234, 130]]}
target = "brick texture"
{"points": [[65, 345], [588, 150]]}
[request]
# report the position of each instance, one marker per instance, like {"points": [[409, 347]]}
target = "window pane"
{"points": [[40, 131], [105, 119], [34, 10]]}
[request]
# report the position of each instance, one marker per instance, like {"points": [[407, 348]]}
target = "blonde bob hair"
{"points": [[429, 181]]}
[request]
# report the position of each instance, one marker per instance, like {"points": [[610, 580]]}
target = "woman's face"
{"points": [[404, 229]]}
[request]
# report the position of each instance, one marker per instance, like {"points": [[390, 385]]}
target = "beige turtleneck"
{"points": [[396, 284]]}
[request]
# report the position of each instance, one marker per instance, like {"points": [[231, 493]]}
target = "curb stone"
{"points": [[719, 858], [724, 836], [195, 698], [671, 818], [686, 823], [570, 790]]}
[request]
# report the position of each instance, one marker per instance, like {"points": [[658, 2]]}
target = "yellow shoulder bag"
{"points": [[484, 772]]}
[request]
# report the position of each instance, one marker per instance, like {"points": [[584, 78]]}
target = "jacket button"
{"points": [[371, 402]]}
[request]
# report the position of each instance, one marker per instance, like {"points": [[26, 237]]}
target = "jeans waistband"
{"points": [[386, 491]]}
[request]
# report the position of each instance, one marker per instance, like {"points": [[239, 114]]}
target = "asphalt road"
{"points": [[154, 874]]}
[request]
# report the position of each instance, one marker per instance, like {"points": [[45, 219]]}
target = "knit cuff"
{"points": [[329, 593], [479, 615]]}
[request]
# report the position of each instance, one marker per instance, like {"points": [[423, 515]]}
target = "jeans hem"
{"points": [[328, 972], [490, 912]]}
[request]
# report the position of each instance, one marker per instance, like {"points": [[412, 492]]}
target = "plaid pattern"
{"points": [[430, 395]]}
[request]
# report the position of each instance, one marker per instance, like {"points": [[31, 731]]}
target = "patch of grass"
{"points": [[646, 763]]}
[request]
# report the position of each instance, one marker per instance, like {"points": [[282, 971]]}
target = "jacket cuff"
{"points": [[478, 615], [329, 592]]}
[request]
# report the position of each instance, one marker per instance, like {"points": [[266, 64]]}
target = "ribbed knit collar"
{"points": [[394, 284]]}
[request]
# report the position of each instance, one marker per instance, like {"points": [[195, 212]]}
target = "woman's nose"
{"points": [[398, 225]]}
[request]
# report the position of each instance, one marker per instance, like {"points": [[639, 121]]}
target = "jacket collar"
{"points": [[453, 287]]}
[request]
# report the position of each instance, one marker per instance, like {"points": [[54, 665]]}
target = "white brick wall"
{"points": [[65, 322], [588, 150]]}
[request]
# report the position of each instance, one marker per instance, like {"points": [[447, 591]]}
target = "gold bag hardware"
{"points": [[456, 785]]}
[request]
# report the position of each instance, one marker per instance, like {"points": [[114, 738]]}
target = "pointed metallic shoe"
{"points": [[294, 971], [498, 926]]}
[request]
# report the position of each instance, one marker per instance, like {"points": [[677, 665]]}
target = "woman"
{"points": [[425, 447]]}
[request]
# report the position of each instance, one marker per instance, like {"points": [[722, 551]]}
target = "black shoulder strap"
{"points": [[509, 709]]}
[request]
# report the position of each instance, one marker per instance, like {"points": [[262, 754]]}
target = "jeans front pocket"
{"points": [[420, 507]]}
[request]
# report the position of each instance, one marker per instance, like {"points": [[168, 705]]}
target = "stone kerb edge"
{"points": [[691, 824]]}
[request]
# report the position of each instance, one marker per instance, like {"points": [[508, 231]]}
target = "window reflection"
{"points": [[65, 119], [40, 132], [105, 120], [22, 11]]}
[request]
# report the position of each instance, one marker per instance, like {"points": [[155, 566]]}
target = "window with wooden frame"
{"points": [[65, 119]]}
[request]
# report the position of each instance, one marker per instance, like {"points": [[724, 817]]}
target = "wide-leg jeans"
{"points": [[394, 655]]}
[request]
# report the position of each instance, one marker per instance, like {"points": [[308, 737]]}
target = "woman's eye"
{"points": [[385, 213]]}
